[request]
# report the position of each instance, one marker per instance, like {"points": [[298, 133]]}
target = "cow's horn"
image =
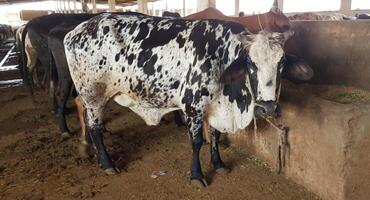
{"points": [[275, 7]]}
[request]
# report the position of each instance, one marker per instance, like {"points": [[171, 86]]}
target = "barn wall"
{"points": [[338, 51]]}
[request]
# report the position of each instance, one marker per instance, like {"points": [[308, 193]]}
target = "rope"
{"points": [[259, 22], [283, 146]]}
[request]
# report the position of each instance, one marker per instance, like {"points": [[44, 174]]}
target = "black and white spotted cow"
{"points": [[216, 72]]}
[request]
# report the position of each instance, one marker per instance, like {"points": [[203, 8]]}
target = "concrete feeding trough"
{"points": [[329, 119]]}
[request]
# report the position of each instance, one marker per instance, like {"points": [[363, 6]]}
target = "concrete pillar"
{"points": [[112, 5], [94, 9], [237, 7], [345, 7], [142, 6]]}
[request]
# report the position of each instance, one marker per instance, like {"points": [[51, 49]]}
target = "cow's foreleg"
{"points": [[216, 160], [196, 137]]}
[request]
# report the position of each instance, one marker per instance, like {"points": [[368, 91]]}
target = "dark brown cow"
{"points": [[274, 20]]}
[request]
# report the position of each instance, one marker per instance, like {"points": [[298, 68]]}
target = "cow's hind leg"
{"points": [[62, 93], [216, 160], [95, 129], [80, 112], [196, 137], [84, 141]]}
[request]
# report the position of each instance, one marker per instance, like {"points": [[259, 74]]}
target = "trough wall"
{"points": [[329, 142]]}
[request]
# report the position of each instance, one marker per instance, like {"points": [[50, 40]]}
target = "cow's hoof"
{"points": [[84, 142], [111, 171], [84, 150], [65, 135], [222, 170], [199, 183]]}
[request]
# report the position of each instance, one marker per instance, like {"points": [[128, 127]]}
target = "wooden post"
{"points": [[237, 7], [63, 6], [56, 6], [112, 5], [212, 3], [203, 4], [94, 9], [74, 6], [281, 5], [82, 6], [69, 6], [345, 7], [142, 6], [183, 8]]}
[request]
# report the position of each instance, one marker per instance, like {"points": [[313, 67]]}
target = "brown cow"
{"points": [[274, 21]]}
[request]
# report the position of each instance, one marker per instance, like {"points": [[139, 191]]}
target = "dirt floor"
{"points": [[36, 164]]}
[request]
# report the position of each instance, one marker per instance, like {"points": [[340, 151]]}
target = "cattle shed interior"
{"points": [[317, 147]]}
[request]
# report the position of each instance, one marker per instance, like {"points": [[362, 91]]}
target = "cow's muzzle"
{"points": [[265, 109]]}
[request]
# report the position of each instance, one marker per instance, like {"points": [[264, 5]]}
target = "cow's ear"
{"points": [[235, 72]]}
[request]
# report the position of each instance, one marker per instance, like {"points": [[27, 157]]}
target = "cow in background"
{"points": [[318, 16], [37, 30], [31, 55], [5, 32], [274, 21], [171, 14]]}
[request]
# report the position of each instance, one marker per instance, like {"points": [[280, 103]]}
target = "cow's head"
{"points": [[262, 64], [277, 21]]}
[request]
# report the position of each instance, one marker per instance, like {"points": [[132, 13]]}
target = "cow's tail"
{"points": [[26, 75], [24, 69], [20, 59]]}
